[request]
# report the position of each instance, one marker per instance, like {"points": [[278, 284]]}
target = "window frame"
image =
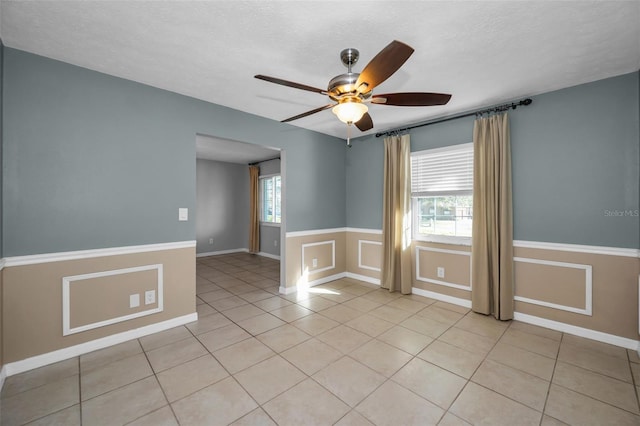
{"points": [[436, 238], [261, 179]]}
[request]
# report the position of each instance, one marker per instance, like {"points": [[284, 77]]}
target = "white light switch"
{"points": [[440, 272], [134, 300], [183, 214]]}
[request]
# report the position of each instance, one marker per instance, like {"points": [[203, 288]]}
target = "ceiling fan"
{"points": [[351, 92]]}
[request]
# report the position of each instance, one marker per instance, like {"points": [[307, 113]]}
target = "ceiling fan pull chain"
{"points": [[349, 134]]}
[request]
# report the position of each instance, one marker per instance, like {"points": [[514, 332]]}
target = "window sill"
{"points": [[274, 224], [444, 239]]}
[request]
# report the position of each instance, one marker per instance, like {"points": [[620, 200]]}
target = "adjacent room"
{"points": [[319, 213]]}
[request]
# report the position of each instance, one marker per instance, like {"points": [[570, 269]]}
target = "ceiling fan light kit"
{"points": [[350, 112], [351, 91]]}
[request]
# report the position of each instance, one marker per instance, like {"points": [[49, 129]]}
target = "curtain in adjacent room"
{"points": [[492, 242], [254, 212], [396, 216]]}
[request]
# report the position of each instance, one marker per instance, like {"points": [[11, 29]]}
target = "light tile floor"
{"points": [[345, 353]]}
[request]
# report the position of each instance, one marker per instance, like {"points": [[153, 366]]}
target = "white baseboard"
{"points": [[364, 278], [325, 280], [287, 290], [3, 375], [37, 361], [240, 250], [599, 336], [269, 255], [293, 288], [442, 297], [215, 253], [611, 339]]}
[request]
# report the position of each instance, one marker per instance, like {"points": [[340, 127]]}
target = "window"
{"points": [[270, 199], [442, 192]]}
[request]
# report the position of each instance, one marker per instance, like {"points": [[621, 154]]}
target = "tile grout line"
{"points": [[80, 389], [236, 380], [474, 372], [555, 363], [343, 355], [155, 375], [390, 378], [633, 380], [230, 375]]}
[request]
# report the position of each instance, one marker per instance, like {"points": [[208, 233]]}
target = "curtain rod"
{"points": [[499, 108], [262, 161]]}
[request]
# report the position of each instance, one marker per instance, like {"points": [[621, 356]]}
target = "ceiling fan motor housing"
{"points": [[343, 85]]}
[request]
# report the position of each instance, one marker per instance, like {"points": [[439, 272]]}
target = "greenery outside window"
{"points": [[442, 194], [270, 199]]}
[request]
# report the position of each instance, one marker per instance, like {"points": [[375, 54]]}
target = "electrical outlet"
{"points": [[134, 300], [314, 262], [210, 240], [275, 243], [149, 297], [440, 272]]}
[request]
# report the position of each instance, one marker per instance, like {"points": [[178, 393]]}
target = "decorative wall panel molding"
{"points": [[67, 301], [420, 277], [588, 286], [332, 265], [360, 262]]}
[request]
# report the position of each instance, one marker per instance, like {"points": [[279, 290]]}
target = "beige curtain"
{"points": [[254, 209], [492, 242], [396, 216]]}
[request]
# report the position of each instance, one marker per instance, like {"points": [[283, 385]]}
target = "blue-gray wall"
{"points": [[222, 206], [575, 160], [93, 161]]}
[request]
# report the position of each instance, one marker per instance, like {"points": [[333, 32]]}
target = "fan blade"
{"points": [[290, 84], [304, 114], [383, 65], [411, 99], [365, 123]]}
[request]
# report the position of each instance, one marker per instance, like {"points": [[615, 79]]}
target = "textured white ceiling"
{"points": [[481, 52]]}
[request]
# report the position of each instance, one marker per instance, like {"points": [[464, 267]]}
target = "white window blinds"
{"points": [[442, 171]]}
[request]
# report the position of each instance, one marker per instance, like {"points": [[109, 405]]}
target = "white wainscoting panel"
{"points": [[320, 243], [588, 286], [419, 277], [66, 298], [362, 265]]}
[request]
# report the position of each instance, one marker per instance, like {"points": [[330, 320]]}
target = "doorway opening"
{"points": [[222, 198]]}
